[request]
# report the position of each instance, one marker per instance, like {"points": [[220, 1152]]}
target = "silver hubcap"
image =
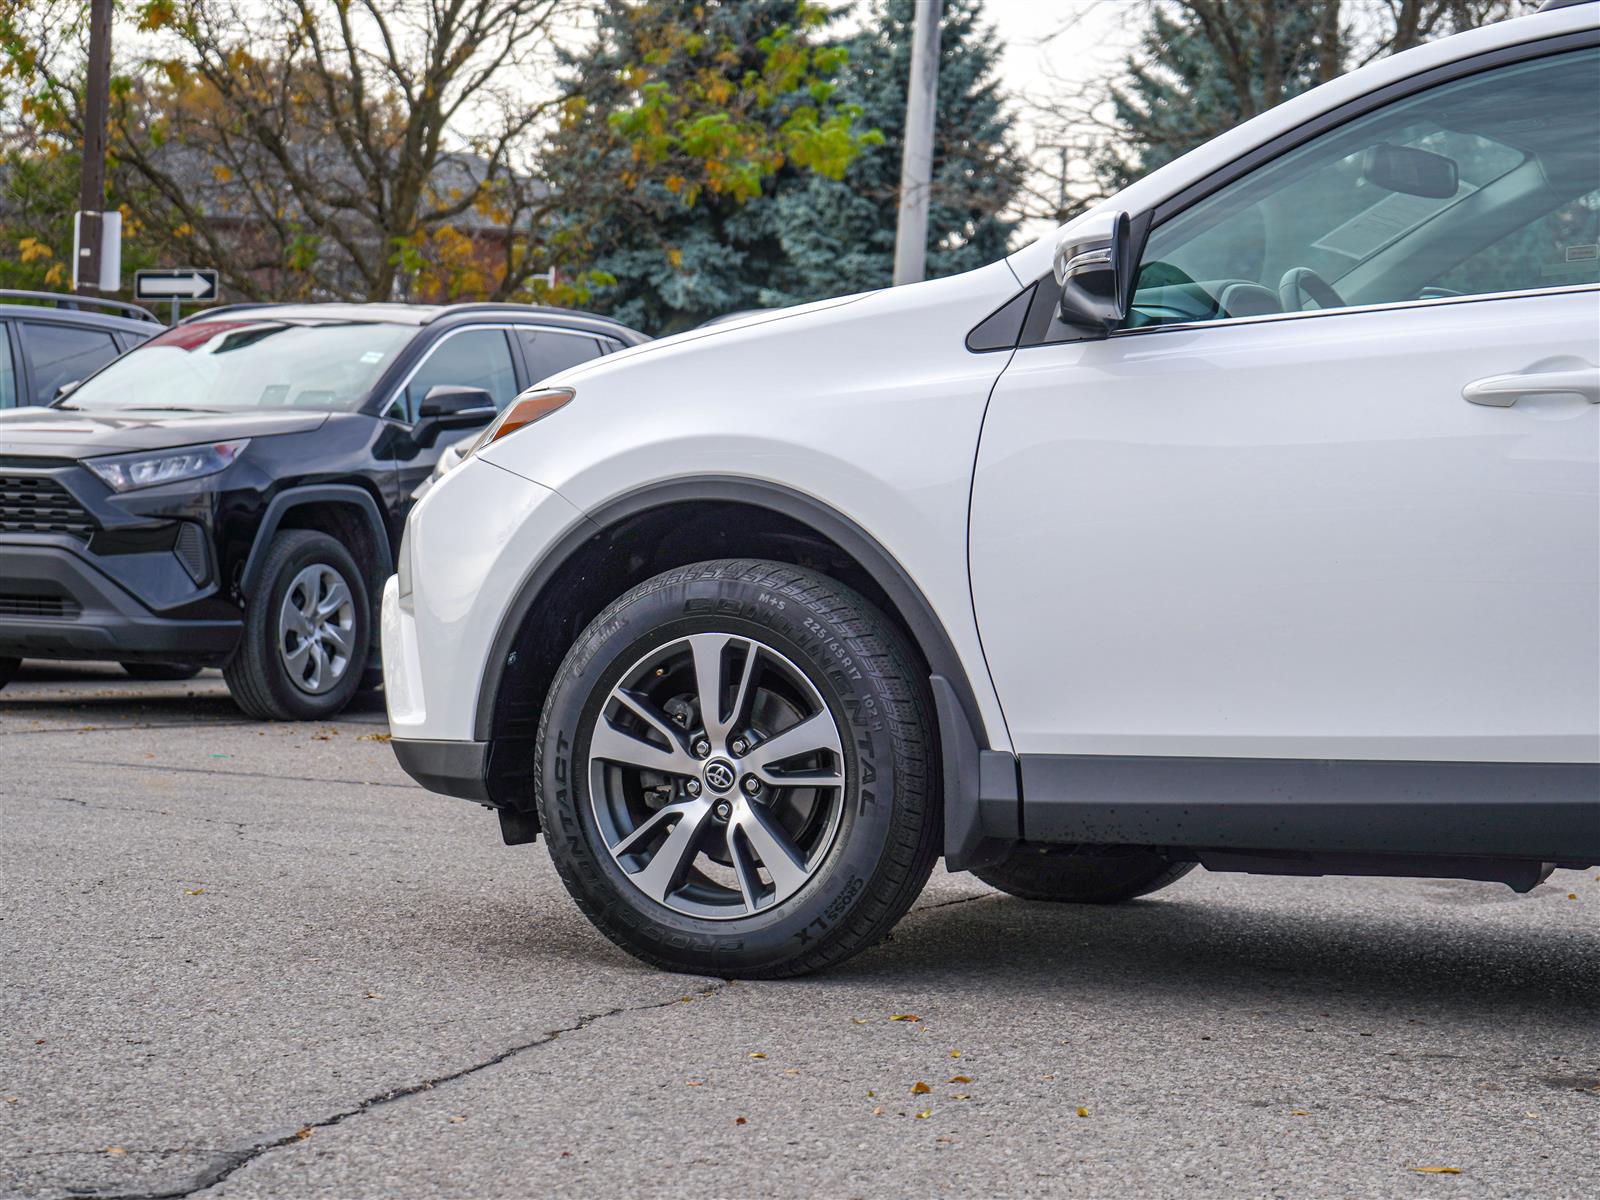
{"points": [[716, 775], [317, 628]]}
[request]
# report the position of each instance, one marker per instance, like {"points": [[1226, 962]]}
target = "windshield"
{"points": [[223, 366]]}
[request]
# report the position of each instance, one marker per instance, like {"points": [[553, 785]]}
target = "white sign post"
{"points": [[97, 251]]}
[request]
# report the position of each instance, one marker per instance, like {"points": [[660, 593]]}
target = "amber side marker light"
{"points": [[522, 412]]}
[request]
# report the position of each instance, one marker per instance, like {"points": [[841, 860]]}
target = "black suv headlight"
{"points": [[151, 468]]}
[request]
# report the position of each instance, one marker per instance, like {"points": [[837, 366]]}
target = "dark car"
{"points": [[50, 341], [232, 493]]}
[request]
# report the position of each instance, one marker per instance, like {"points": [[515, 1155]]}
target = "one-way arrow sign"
{"points": [[190, 284]]}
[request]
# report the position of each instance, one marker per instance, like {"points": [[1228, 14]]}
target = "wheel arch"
{"points": [[345, 511], [655, 528]]}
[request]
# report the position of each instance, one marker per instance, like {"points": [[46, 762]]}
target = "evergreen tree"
{"points": [[838, 235], [686, 124]]}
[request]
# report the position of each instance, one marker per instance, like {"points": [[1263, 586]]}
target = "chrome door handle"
{"points": [[1502, 391]]}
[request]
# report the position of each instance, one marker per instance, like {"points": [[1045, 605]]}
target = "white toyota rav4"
{"points": [[1253, 520]]}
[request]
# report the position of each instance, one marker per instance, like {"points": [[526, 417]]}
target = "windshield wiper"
{"points": [[169, 408]]}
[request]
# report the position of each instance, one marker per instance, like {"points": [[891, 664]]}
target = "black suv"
{"points": [[232, 492], [49, 341]]}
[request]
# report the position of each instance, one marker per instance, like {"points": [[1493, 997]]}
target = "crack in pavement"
{"points": [[922, 908], [408, 786], [235, 1160]]}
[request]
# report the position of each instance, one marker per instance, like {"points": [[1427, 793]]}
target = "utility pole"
{"points": [[96, 113], [916, 164]]}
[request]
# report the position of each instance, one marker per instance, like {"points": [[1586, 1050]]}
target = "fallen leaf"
{"points": [[1572, 895], [1435, 1170], [757, 1054], [871, 1093], [11, 1099], [905, 1017], [115, 1150], [374, 995], [1083, 1112], [304, 1133], [877, 1110], [959, 1079], [920, 1089], [374, 737], [457, 1120], [740, 1121], [858, 1020], [1298, 1112], [695, 1082], [194, 891], [955, 1054], [961, 1096], [791, 1071], [924, 1114]]}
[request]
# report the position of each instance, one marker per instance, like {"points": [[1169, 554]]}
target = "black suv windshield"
{"points": [[228, 365]]}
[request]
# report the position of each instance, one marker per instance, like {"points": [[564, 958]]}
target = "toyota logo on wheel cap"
{"points": [[719, 775]]}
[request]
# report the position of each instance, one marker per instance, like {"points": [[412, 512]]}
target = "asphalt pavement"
{"points": [[242, 959]]}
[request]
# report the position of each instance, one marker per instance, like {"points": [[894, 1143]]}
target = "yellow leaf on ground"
{"points": [[1435, 1170], [920, 1089], [960, 1079], [757, 1054], [905, 1017], [1083, 1112], [924, 1114], [115, 1150]]}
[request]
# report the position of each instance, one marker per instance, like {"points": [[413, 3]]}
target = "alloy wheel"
{"points": [[317, 628], [717, 776]]}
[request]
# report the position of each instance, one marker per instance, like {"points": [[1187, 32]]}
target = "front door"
{"points": [[1295, 510]]}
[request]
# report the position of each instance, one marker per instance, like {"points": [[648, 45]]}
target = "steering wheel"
{"points": [[1300, 284]]}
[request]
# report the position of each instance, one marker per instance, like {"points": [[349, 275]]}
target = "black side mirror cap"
{"points": [[1094, 266], [456, 405]]}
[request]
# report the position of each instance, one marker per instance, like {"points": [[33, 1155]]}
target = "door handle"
{"points": [[1502, 391]]}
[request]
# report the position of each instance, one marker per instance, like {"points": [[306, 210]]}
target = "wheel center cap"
{"points": [[719, 775]]}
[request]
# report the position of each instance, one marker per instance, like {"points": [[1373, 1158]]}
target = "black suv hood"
{"points": [[64, 433]]}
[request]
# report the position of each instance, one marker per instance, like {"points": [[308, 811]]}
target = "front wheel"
{"points": [[306, 632], [733, 771], [1100, 876]]}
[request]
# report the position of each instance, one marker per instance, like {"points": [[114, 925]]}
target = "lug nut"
{"points": [[692, 787], [752, 785], [724, 810], [740, 746], [702, 748]]}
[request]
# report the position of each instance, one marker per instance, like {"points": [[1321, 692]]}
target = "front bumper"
{"points": [[55, 604], [472, 542]]}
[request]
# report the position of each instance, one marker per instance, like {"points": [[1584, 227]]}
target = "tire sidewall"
{"points": [[305, 551], [653, 616]]}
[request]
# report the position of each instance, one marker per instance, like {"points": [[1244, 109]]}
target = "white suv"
{"points": [[1250, 521]]}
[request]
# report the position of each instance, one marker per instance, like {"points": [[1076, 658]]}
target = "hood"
{"points": [[64, 433]]}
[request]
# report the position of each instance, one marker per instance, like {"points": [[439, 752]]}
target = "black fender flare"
{"points": [[298, 497], [926, 629]]}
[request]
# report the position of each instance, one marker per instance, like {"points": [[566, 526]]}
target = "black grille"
{"points": [[36, 504], [62, 608]]}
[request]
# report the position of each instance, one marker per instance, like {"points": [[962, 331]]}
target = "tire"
{"points": [[1065, 876], [8, 670], [802, 650], [160, 671], [259, 674]]}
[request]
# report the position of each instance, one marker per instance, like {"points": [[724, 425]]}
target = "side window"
{"points": [[60, 354], [548, 351], [8, 373], [1485, 184], [479, 358]]}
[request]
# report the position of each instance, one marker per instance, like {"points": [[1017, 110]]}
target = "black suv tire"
{"points": [[160, 671], [259, 675], [1065, 876], [8, 670], [791, 649]]}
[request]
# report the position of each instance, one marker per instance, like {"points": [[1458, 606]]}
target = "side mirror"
{"points": [[66, 389], [455, 407], [1411, 171], [1094, 266]]}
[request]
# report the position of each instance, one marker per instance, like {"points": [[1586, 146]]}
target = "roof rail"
{"points": [[81, 303], [450, 310]]}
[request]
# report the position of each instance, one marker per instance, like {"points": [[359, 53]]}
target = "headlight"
{"points": [[128, 472], [527, 408]]}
